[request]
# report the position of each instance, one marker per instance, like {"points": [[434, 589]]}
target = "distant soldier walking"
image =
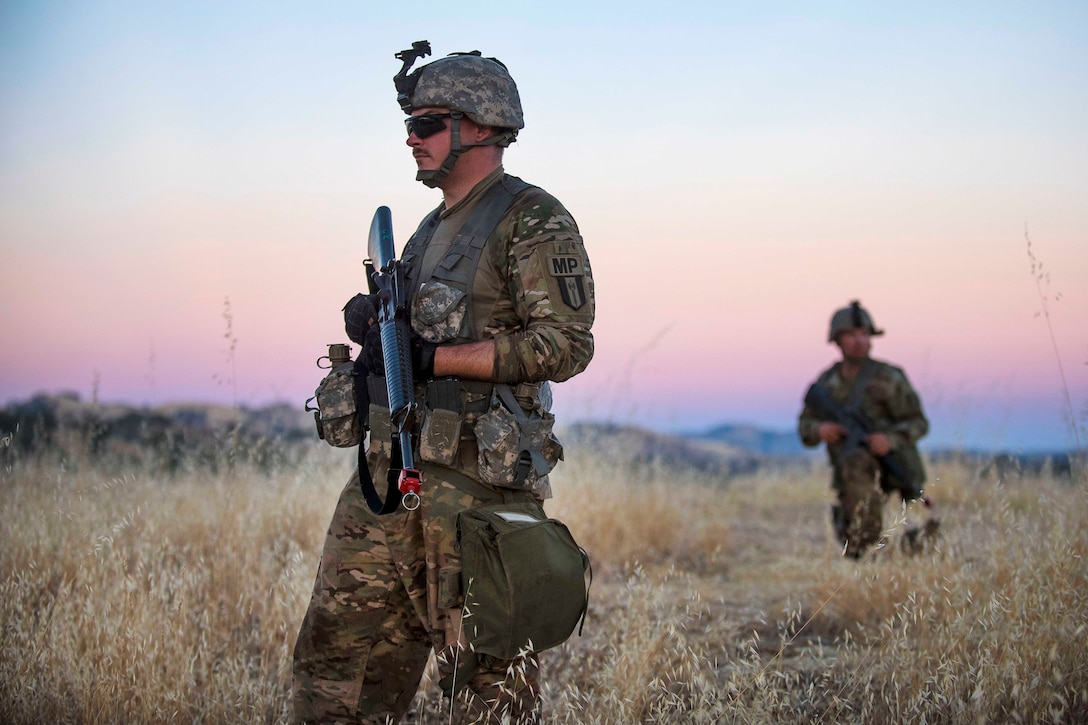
{"points": [[870, 418]]}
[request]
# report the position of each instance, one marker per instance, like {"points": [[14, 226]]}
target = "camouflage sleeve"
{"points": [[808, 423], [905, 409], [551, 285], [808, 428]]}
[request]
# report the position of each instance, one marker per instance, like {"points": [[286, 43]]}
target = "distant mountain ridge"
{"points": [[755, 440], [161, 438], [642, 447], [67, 409], [172, 432]]}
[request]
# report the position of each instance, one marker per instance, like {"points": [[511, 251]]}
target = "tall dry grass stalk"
{"points": [[1041, 277], [131, 599]]}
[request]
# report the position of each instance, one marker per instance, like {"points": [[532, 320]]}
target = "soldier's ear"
{"points": [[473, 133]]}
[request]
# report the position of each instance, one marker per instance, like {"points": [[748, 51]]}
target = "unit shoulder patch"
{"points": [[568, 271]]}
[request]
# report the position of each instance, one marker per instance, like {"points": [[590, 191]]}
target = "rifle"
{"points": [[386, 279], [893, 474]]}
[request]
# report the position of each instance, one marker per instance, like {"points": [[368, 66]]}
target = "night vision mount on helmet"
{"points": [[849, 318], [470, 86], [406, 84]]}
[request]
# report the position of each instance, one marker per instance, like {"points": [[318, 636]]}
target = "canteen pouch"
{"points": [[336, 415], [523, 577], [516, 450]]}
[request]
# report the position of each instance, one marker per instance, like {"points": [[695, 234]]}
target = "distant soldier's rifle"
{"points": [[858, 429]]}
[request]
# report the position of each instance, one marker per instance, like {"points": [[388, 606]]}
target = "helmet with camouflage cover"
{"points": [[479, 87], [848, 318], [470, 86]]}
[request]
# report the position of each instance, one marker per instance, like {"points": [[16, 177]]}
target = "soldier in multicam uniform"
{"points": [[893, 410], [502, 295]]}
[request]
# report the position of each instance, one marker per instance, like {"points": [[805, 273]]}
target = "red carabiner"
{"points": [[410, 484]]}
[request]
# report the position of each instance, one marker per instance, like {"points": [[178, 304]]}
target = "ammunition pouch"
{"points": [[440, 435], [380, 445], [516, 450], [438, 311], [467, 425]]}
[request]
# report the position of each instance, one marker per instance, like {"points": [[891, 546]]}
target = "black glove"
{"points": [[371, 353], [360, 313]]}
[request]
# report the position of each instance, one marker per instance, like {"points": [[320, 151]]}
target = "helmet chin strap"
{"points": [[432, 178]]}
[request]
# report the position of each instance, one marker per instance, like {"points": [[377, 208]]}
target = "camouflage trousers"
{"points": [[388, 593], [858, 517]]}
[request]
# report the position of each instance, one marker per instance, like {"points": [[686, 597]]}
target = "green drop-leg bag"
{"points": [[524, 578]]}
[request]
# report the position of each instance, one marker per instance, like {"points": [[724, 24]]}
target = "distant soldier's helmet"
{"points": [[470, 86], [848, 318]]}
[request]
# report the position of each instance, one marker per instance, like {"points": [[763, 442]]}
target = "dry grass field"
{"points": [[128, 597]]}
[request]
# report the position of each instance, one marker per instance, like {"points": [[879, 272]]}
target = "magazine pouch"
{"points": [[440, 437], [516, 450]]}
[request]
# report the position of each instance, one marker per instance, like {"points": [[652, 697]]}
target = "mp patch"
{"points": [[570, 278]]}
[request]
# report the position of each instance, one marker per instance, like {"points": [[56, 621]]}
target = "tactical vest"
{"points": [[901, 470], [497, 432], [457, 269]]}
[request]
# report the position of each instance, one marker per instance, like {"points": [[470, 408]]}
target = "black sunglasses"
{"points": [[426, 124]]}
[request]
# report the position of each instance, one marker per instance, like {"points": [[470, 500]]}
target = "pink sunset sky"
{"points": [[738, 174]]}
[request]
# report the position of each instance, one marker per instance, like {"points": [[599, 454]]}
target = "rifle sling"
{"points": [[370, 493], [363, 397]]}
